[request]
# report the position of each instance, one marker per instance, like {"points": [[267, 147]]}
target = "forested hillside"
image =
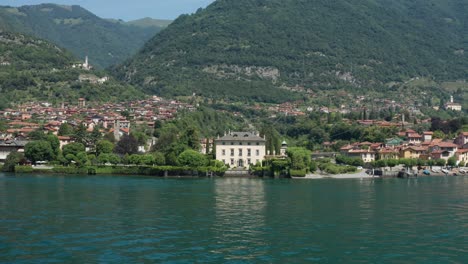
{"points": [[263, 49], [106, 42], [34, 69]]}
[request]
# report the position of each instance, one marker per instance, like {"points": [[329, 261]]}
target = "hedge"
{"points": [[24, 169], [298, 173], [128, 170]]}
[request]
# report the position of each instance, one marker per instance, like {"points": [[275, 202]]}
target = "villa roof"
{"points": [[388, 151], [360, 151], [241, 136], [415, 148], [445, 145], [16, 143]]}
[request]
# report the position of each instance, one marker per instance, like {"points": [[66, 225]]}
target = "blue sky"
{"points": [[126, 9]]}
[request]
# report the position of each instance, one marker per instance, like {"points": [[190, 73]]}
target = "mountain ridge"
{"points": [[303, 45], [77, 29]]}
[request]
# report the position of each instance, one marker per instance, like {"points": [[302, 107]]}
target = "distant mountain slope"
{"points": [[249, 48], [150, 22], [34, 69], [73, 27]]}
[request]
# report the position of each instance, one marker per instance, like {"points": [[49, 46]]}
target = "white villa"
{"points": [[240, 149]]}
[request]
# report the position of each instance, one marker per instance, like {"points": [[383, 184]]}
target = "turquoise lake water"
{"points": [[73, 219]]}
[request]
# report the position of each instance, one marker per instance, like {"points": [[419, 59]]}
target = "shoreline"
{"points": [[358, 175], [364, 175]]}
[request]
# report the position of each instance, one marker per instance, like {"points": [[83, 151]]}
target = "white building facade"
{"points": [[240, 149]]}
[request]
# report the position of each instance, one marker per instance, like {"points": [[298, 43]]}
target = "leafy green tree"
{"points": [[159, 158], [134, 159], [73, 148], [192, 138], [273, 138], [38, 151], [13, 159], [452, 161], [168, 136], [171, 159], [392, 163], [440, 162], [300, 158], [94, 137], [104, 146], [430, 163], [92, 159], [141, 137], [127, 145], [147, 159], [408, 163], [381, 163], [80, 159], [81, 135], [54, 143], [114, 159], [108, 158], [110, 137], [37, 134], [192, 158], [65, 130]]}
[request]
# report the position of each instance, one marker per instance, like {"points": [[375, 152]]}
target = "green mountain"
{"points": [[106, 42], [264, 49], [32, 69]]}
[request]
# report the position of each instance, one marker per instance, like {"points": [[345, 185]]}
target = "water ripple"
{"points": [[138, 220]]}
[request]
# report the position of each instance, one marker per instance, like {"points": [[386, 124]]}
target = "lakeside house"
{"points": [[410, 145], [240, 149]]}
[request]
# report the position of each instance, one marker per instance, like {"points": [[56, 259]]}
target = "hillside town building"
{"points": [[409, 146], [452, 105], [8, 146]]}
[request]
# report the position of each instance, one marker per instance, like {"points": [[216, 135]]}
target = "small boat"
{"points": [[445, 171], [426, 172]]}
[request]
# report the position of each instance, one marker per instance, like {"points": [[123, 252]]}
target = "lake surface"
{"points": [[73, 219]]}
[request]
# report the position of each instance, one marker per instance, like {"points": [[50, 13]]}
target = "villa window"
{"points": [[249, 152], [249, 161], [240, 152], [232, 152], [224, 152], [257, 152], [232, 161]]}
